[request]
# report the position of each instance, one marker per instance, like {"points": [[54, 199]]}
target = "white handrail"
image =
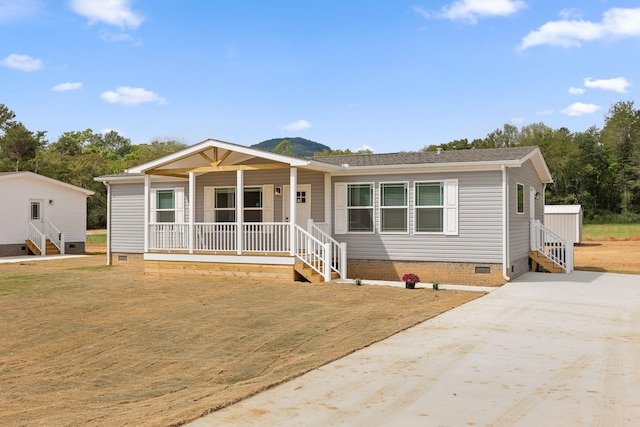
{"points": [[338, 250], [168, 236], [55, 235], [37, 238], [216, 236], [552, 246], [266, 236], [313, 252]]}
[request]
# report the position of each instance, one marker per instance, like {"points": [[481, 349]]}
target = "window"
{"points": [[393, 207], [253, 204], [225, 204], [520, 198], [35, 210], [429, 206], [360, 207], [165, 206]]}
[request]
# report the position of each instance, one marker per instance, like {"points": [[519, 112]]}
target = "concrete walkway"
{"points": [[544, 350], [32, 258]]}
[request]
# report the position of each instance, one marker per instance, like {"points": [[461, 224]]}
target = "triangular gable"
{"points": [[216, 156]]}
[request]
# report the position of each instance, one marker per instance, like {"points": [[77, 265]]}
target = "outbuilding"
{"points": [[41, 215], [565, 221]]}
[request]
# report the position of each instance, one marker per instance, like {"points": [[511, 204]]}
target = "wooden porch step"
{"points": [[51, 249], [310, 274], [538, 259]]}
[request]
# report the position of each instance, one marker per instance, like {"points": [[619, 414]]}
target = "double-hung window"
{"points": [[225, 204], [253, 204], [393, 207], [165, 206], [429, 207], [360, 207]]}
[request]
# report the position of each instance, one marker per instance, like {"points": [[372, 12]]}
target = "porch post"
{"points": [[239, 209], [327, 200], [147, 182], [293, 200], [192, 211]]}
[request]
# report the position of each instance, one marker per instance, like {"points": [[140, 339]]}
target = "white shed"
{"points": [[565, 221], [41, 215]]}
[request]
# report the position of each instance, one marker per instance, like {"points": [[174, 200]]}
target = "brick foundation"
{"points": [[444, 272]]}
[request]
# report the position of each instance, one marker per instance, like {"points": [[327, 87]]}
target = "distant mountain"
{"points": [[299, 146]]}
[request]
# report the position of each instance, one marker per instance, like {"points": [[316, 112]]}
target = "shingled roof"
{"points": [[415, 158]]}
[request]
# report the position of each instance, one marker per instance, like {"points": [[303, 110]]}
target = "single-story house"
{"points": [[41, 215], [217, 208], [565, 221]]}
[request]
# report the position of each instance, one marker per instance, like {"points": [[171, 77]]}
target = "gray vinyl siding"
{"points": [[519, 224], [479, 239], [277, 177], [127, 218]]}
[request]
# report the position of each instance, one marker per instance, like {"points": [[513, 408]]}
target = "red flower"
{"points": [[411, 278]]}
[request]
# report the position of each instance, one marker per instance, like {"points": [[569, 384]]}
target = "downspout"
{"points": [[505, 225], [106, 183]]}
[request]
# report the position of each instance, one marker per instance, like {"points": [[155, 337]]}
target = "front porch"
{"points": [[265, 250]]}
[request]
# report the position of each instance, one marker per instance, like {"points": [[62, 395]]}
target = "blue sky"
{"points": [[390, 75]]}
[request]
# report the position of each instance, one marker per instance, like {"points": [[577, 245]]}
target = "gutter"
{"points": [[106, 183], [505, 225]]}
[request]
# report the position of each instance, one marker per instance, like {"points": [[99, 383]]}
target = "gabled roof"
{"points": [[5, 176], [212, 155]]}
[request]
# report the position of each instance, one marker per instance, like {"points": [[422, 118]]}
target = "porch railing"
{"points": [[55, 235], [38, 238], [266, 237], [552, 246], [321, 231], [218, 237], [169, 236]]}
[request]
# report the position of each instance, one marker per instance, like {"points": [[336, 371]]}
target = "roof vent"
{"points": [[345, 165], [439, 150]]}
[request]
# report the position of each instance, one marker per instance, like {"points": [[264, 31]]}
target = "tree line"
{"points": [[597, 168], [76, 157]]}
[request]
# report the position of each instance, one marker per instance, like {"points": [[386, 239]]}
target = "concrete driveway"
{"points": [[544, 350]]}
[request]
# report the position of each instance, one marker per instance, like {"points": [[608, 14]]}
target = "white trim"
{"points": [[381, 208], [147, 211], [524, 208], [505, 225], [442, 207], [293, 188], [239, 210], [26, 174], [327, 198], [192, 211], [372, 207]]}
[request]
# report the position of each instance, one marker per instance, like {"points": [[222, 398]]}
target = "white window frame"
{"points": [[178, 205], [371, 207], [381, 207], [253, 208], [233, 208], [449, 207], [416, 207], [520, 186]]}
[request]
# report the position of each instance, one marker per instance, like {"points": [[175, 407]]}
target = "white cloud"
{"points": [[571, 13], [131, 96], [64, 87], [618, 84], [117, 13], [616, 23], [22, 62], [576, 90], [13, 8], [545, 112], [580, 109], [299, 125], [517, 120], [108, 36], [471, 10]]}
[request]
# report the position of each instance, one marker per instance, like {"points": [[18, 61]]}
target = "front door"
{"points": [[36, 215], [303, 204]]}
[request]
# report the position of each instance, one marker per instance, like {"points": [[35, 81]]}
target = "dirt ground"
{"points": [[616, 256], [83, 343], [86, 344]]}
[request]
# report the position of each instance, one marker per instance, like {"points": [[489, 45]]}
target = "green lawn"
{"points": [[616, 231], [97, 239]]}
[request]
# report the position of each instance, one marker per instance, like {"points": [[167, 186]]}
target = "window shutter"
{"points": [[152, 205], [179, 205], [209, 205], [451, 207], [340, 208], [267, 203]]}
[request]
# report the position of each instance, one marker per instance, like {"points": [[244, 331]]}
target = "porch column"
{"points": [[293, 200], [327, 200], [147, 183], [239, 209], [192, 211]]}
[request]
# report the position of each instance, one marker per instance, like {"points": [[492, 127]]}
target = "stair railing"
{"points": [[38, 239], [313, 252], [55, 235], [552, 246], [338, 250]]}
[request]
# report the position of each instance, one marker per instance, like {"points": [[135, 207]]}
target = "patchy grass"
{"points": [[89, 345], [97, 239], [610, 231]]}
